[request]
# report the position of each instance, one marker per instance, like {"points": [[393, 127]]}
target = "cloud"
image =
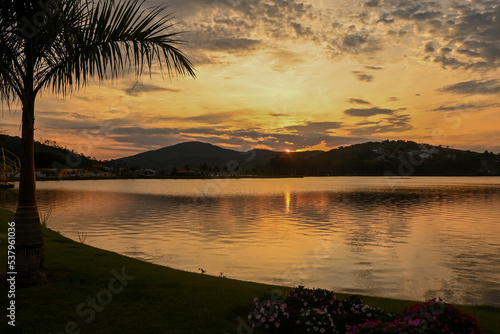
{"points": [[241, 117], [231, 45], [363, 76], [357, 42], [66, 114], [369, 112], [301, 30], [371, 3], [142, 88], [357, 101], [315, 127], [466, 31], [488, 87], [429, 47], [278, 115], [394, 123], [471, 106], [244, 139]]}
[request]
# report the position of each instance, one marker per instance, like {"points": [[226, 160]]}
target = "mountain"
{"points": [[194, 155]]}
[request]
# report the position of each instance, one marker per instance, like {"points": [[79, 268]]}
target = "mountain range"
{"points": [[400, 158], [397, 158]]}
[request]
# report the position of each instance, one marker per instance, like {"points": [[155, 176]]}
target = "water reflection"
{"points": [[424, 238]]}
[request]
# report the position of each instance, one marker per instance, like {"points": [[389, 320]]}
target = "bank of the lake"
{"points": [[140, 297]]}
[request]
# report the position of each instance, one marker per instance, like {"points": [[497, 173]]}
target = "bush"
{"points": [[312, 310], [304, 310], [435, 316]]}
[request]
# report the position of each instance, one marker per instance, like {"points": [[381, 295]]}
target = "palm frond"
{"points": [[102, 39], [11, 70]]}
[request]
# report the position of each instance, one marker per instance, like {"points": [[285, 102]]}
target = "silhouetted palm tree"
{"points": [[61, 45]]}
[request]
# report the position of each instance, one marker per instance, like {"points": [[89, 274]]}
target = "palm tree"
{"points": [[60, 45]]}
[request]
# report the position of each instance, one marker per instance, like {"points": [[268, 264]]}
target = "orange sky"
{"points": [[291, 74]]}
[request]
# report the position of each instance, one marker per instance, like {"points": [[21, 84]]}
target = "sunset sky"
{"points": [[293, 74]]}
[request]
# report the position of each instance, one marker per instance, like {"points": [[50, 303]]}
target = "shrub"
{"points": [[435, 316], [304, 310], [312, 310]]}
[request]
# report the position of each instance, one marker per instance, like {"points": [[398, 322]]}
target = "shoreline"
{"points": [[250, 177]]}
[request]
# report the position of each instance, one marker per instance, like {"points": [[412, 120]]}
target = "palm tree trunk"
{"points": [[29, 239]]}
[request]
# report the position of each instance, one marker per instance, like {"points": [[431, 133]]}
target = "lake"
{"points": [[415, 238]]}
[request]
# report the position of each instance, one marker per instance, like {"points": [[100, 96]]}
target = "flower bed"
{"points": [[304, 310]]}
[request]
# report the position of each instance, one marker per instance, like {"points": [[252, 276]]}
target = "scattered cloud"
{"points": [[371, 3], [392, 124], [296, 137], [357, 101], [315, 127], [230, 45], [363, 76], [142, 88], [468, 107], [369, 112], [429, 47], [472, 87]]}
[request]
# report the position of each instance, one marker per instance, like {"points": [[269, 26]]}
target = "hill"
{"points": [[389, 158], [196, 156], [49, 154]]}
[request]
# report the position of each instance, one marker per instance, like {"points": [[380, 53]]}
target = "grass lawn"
{"points": [[97, 291]]}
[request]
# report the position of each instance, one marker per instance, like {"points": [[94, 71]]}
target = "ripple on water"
{"points": [[416, 238]]}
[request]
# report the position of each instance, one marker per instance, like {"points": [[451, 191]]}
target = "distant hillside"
{"points": [[195, 156], [390, 158], [48, 156], [393, 158]]}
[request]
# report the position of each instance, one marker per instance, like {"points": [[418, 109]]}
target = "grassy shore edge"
{"points": [[97, 291]]}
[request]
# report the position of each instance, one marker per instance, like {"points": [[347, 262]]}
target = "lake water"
{"points": [[415, 238]]}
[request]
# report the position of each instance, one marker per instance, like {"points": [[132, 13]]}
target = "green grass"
{"points": [[157, 300]]}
